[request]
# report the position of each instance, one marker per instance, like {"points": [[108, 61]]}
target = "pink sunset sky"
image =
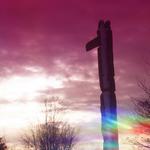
{"points": [[42, 52]]}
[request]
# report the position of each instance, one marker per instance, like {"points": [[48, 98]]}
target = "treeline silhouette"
{"points": [[3, 145]]}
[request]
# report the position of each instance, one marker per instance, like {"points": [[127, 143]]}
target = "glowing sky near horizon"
{"points": [[42, 53]]}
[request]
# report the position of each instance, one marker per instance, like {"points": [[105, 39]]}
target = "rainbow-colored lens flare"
{"points": [[110, 131], [127, 123]]}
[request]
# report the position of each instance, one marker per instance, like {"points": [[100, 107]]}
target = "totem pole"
{"points": [[107, 84]]}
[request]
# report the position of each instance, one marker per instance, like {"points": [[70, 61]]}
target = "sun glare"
{"points": [[26, 87]]}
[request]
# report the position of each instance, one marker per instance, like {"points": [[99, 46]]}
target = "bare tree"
{"points": [[3, 144], [142, 108], [54, 134]]}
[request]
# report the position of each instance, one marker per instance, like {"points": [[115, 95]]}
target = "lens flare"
{"points": [[127, 123]]}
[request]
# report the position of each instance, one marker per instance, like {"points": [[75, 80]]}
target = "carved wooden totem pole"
{"points": [[107, 84]]}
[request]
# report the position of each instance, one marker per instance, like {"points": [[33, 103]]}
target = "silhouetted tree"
{"points": [[142, 108], [51, 135], [3, 144]]}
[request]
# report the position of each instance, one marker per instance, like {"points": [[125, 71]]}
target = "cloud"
{"points": [[51, 36]]}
